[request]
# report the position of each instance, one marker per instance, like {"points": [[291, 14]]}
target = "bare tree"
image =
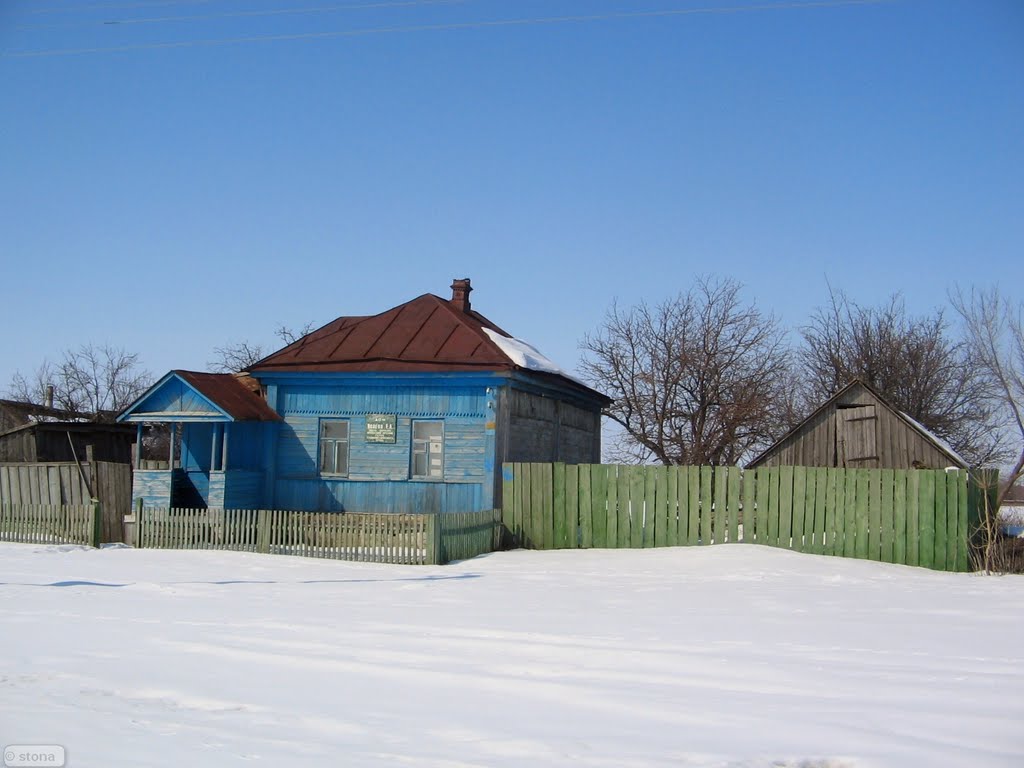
{"points": [[697, 379], [915, 362], [994, 328], [289, 336], [232, 358], [90, 381], [35, 388]]}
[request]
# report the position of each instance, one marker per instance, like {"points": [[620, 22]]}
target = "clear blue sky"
{"points": [[172, 199]]}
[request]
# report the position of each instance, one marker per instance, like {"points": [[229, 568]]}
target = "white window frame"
{"points": [[337, 443], [432, 448]]}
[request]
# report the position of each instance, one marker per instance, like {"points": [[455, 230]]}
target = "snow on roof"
{"points": [[938, 440], [525, 355], [1012, 514]]}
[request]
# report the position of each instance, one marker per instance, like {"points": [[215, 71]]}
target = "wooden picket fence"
{"points": [[70, 484], [417, 539], [914, 517], [51, 524]]}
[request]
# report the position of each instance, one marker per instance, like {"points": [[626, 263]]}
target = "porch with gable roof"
{"points": [[218, 426]]}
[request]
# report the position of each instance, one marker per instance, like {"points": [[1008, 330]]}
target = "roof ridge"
{"points": [[484, 338], [411, 338], [398, 313]]}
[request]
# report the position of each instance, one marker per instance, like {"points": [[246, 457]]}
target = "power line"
{"points": [[247, 14], [117, 6], [447, 27]]}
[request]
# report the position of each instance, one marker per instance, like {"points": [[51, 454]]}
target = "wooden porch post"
{"points": [[214, 446], [170, 455]]}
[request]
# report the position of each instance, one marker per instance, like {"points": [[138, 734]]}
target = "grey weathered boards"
{"points": [[51, 524], [59, 484], [429, 539], [857, 428], [914, 517]]}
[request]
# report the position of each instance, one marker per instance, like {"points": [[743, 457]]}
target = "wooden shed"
{"points": [[859, 428], [413, 409], [16, 413], [49, 441]]}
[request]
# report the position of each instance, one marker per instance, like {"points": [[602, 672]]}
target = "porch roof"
{"points": [[195, 396]]}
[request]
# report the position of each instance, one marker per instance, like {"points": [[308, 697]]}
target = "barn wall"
{"points": [[108, 444], [49, 443], [543, 428], [10, 419], [18, 446]]}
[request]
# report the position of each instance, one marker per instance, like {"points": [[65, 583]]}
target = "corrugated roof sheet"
{"points": [[234, 394]]}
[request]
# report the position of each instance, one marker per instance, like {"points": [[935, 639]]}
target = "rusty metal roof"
{"points": [[425, 334], [238, 396]]}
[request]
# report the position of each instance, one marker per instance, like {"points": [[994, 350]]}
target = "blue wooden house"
{"points": [[410, 410]]}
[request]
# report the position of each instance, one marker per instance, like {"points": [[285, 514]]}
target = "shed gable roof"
{"points": [[941, 445], [29, 413]]}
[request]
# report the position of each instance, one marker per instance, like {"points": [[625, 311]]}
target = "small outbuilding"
{"points": [[57, 441], [410, 410], [858, 428]]}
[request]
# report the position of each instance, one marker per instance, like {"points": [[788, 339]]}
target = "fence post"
{"points": [[507, 518], [97, 523], [263, 531], [137, 528], [435, 554]]}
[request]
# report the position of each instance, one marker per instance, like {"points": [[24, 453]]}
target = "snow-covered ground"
{"points": [[724, 656]]}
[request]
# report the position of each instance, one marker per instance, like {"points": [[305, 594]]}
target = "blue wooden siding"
{"points": [[235, 489], [384, 496], [464, 449], [177, 397], [242, 489], [215, 499], [379, 474], [244, 441], [153, 486], [422, 401], [196, 446], [245, 444]]}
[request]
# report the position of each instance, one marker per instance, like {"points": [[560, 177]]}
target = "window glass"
{"points": [[334, 447], [428, 449]]}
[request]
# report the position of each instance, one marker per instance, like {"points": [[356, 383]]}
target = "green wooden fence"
{"points": [[914, 517], [51, 524], [418, 539]]}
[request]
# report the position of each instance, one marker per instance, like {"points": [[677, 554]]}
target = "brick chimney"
{"points": [[460, 294]]}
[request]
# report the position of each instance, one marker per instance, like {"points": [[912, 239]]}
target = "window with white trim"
{"points": [[428, 450], [334, 447]]}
